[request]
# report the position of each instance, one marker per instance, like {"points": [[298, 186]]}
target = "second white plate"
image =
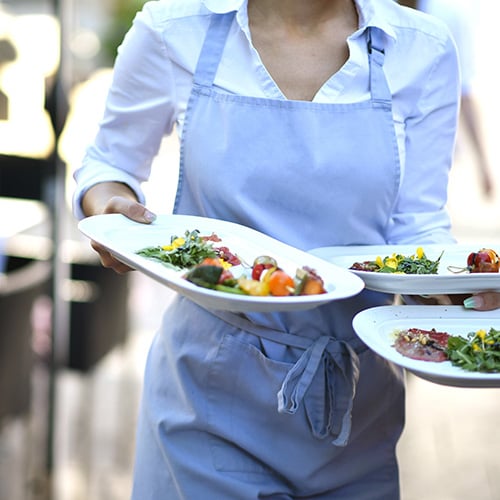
{"points": [[445, 282]]}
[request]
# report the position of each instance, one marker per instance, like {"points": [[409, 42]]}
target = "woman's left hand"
{"points": [[486, 301]]}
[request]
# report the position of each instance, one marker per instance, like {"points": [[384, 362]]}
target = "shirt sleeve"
{"points": [[420, 214], [139, 111]]}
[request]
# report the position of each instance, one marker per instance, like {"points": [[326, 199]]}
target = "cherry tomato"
{"points": [[280, 283], [484, 261], [260, 264]]}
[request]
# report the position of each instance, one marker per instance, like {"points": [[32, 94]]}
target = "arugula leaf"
{"points": [[182, 253], [422, 265], [413, 264], [478, 352]]}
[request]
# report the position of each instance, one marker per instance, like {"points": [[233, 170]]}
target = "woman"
{"points": [[315, 122]]}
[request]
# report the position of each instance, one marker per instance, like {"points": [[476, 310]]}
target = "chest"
{"points": [[301, 63]]}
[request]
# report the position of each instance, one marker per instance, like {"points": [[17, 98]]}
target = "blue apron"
{"points": [[284, 405]]}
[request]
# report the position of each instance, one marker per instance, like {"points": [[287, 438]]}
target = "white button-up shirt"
{"points": [[154, 71], [460, 16]]}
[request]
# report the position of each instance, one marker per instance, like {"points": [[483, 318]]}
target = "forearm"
{"points": [[97, 198]]}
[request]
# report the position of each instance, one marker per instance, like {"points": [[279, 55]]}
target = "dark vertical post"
{"points": [[57, 105]]}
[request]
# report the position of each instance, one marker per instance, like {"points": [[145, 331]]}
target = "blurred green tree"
{"points": [[122, 15]]}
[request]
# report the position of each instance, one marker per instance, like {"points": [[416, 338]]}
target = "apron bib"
{"points": [[309, 174]]}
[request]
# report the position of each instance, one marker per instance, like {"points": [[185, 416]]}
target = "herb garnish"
{"points": [[183, 252], [418, 263], [478, 352]]}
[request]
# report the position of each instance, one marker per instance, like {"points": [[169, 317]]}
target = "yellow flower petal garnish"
{"points": [[392, 262], [481, 334], [178, 242]]}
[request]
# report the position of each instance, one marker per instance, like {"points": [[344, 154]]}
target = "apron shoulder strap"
{"points": [[376, 54], [212, 48]]}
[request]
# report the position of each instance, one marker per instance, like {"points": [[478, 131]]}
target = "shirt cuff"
{"points": [[86, 178]]}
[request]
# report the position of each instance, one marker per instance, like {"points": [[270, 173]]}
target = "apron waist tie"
{"points": [[328, 402], [331, 364]]}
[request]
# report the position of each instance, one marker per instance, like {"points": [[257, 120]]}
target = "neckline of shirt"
{"points": [[370, 12]]}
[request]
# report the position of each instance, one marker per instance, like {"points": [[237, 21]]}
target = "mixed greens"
{"points": [[418, 263], [478, 352], [182, 252]]}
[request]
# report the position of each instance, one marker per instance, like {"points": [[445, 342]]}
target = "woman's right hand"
{"points": [[114, 198]]}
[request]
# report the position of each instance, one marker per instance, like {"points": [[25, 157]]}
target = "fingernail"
{"points": [[473, 302], [149, 216]]}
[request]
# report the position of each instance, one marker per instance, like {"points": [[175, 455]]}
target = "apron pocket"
{"points": [[242, 404], [242, 400]]}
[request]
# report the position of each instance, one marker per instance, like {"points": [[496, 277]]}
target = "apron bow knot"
{"points": [[323, 379], [333, 365]]}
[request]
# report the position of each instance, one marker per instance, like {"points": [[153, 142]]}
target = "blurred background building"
{"points": [[60, 312], [73, 336]]}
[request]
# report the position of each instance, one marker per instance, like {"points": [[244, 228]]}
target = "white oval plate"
{"points": [[445, 282], [124, 238], [377, 326]]}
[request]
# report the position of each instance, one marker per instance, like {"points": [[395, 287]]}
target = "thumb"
{"points": [[130, 208]]}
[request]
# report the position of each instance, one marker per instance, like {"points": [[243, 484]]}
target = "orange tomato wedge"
{"points": [[280, 283]]}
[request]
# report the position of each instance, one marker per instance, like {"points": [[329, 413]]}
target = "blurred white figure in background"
{"points": [[461, 17]]}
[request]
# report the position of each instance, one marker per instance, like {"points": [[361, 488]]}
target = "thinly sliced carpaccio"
{"points": [[424, 345]]}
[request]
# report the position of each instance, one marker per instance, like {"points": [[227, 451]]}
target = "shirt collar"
{"points": [[376, 13], [223, 6], [371, 12]]}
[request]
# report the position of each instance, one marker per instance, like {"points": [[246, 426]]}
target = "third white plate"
{"points": [[377, 327]]}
